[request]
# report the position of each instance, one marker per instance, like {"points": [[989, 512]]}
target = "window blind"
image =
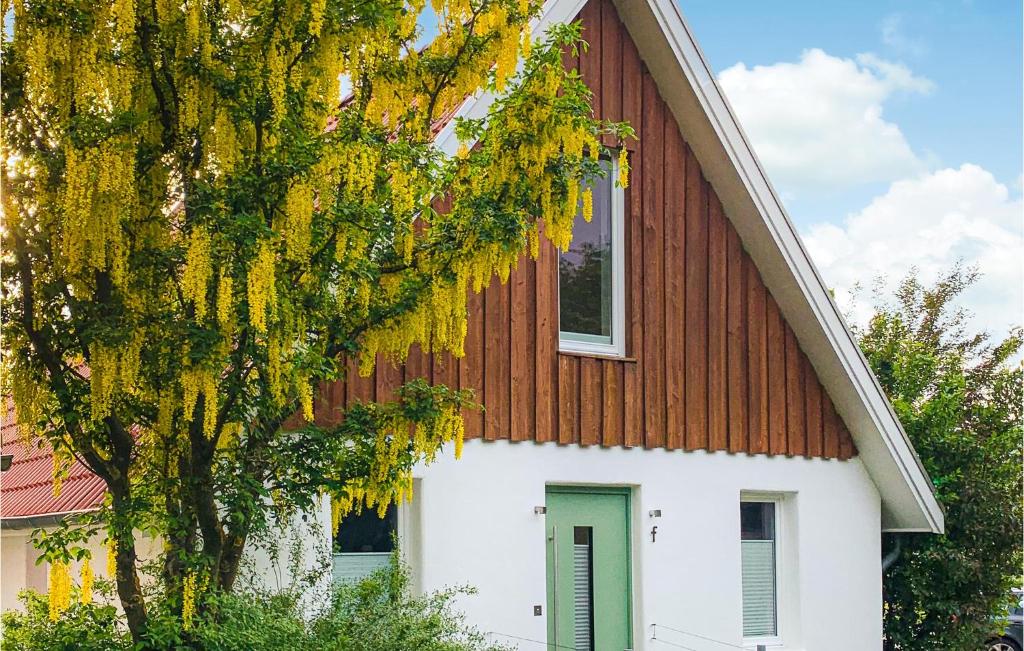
{"points": [[351, 568], [582, 597], [758, 588]]}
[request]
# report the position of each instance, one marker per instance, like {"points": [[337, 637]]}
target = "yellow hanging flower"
{"points": [[224, 297], [623, 168], [60, 589], [86, 591], [262, 289], [188, 600], [198, 270], [111, 560], [588, 205]]}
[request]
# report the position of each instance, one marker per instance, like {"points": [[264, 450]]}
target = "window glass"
{"points": [[585, 271], [757, 521], [365, 532], [758, 550]]}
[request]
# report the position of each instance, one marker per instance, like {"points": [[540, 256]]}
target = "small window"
{"points": [[364, 543], [758, 549], [591, 287]]}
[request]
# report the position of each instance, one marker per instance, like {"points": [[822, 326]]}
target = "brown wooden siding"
{"points": [[711, 363]]}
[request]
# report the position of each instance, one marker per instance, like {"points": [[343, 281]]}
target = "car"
{"points": [[1012, 637]]}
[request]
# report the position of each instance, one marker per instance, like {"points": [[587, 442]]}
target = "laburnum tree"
{"points": [[199, 231], [959, 397]]}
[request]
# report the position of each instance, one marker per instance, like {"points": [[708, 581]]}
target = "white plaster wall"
{"points": [[473, 523], [18, 569]]}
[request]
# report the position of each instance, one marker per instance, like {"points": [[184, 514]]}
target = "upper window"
{"points": [[364, 543], [758, 542], [591, 286]]}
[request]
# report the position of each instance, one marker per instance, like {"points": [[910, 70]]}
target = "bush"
{"points": [[377, 614], [380, 614], [92, 627]]}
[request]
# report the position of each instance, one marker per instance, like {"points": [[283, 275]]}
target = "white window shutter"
{"points": [[758, 588]]}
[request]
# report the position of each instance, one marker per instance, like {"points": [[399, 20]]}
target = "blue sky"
{"points": [[892, 130]]}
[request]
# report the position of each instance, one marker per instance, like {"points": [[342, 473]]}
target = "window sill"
{"points": [[608, 356]]}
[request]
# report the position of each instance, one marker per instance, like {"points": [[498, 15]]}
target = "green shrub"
{"points": [[379, 613], [93, 627]]}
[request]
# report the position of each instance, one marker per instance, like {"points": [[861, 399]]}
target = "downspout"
{"points": [[890, 558]]}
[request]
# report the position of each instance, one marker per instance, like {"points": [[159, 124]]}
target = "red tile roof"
{"points": [[26, 489]]}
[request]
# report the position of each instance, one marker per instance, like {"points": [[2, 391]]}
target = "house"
{"points": [[682, 446]]}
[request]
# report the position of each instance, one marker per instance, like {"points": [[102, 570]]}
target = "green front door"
{"points": [[588, 565]]}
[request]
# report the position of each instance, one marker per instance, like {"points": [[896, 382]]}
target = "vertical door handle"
{"points": [[554, 585]]}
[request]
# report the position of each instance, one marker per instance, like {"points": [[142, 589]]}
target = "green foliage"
{"points": [[959, 398], [92, 627], [378, 613]]}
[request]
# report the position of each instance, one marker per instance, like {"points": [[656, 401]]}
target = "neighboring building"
{"points": [[27, 503], [682, 445]]}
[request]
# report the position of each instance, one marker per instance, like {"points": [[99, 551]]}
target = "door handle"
{"points": [[554, 585]]}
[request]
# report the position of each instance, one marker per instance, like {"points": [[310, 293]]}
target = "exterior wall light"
{"points": [[654, 513], [5, 462], [540, 510]]}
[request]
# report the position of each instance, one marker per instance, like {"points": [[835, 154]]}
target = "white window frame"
{"points": [[777, 501], [617, 347]]}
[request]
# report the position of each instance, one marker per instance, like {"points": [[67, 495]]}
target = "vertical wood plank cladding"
{"points": [[776, 378], [675, 285], [831, 422], [632, 111], [445, 370], [795, 408], [711, 362], [654, 264], [632, 384], [496, 360], [696, 306], [389, 378], [417, 366], [546, 359], [590, 56], [611, 65], [737, 348], [612, 423], [471, 366], [322, 401], [568, 402], [757, 360], [717, 302], [524, 355], [591, 390], [846, 447], [812, 391]]}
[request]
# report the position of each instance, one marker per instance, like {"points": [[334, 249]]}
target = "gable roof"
{"points": [[707, 122]]}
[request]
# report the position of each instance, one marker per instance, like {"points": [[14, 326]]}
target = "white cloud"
{"points": [[894, 36], [817, 124], [929, 223]]}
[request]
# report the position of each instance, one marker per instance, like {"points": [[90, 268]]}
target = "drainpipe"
{"points": [[890, 558]]}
